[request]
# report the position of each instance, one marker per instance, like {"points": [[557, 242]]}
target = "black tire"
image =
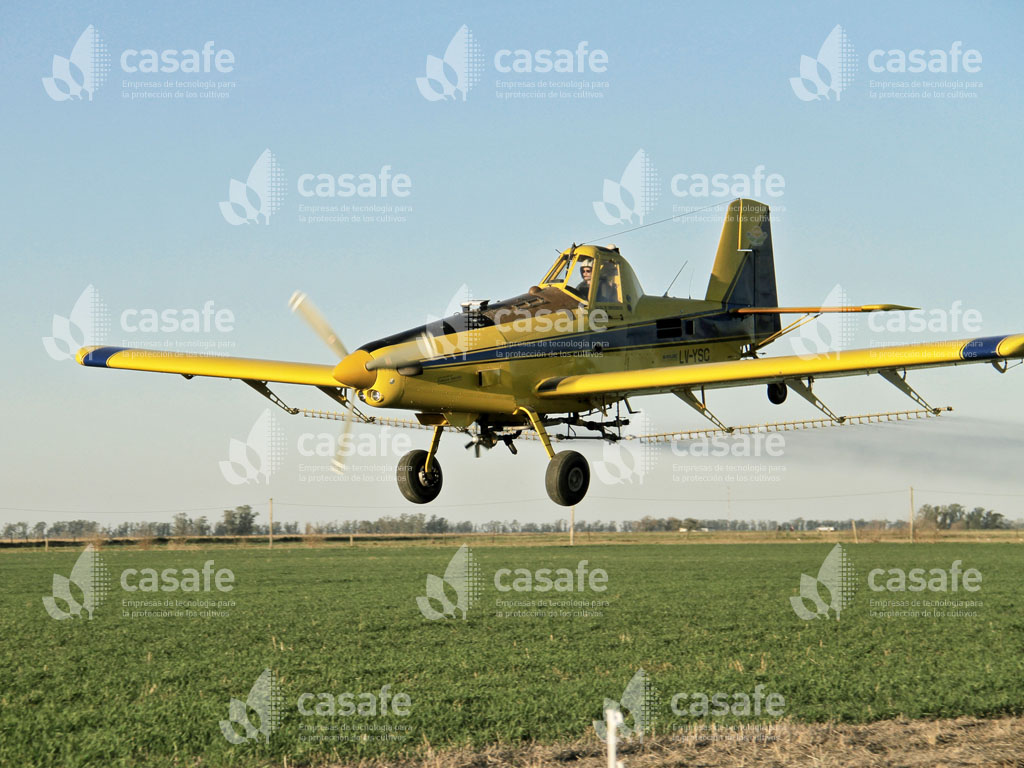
{"points": [[777, 392], [418, 486], [567, 478]]}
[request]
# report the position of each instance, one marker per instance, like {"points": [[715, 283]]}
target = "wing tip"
{"points": [[96, 356], [82, 356]]}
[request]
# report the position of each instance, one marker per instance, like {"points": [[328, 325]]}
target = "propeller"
{"points": [[303, 306]]}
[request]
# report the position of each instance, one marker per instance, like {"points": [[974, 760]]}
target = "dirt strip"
{"points": [[966, 741]]}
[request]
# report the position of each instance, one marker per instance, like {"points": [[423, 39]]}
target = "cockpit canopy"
{"points": [[595, 276], [612, 287]]}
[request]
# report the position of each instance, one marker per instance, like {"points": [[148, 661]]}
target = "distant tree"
{"points": [[436, 525], [181, 525], [245, 518], [942, 517]]}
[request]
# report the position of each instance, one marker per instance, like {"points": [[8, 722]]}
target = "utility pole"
{"points": [[911, 514], [270, 540]]}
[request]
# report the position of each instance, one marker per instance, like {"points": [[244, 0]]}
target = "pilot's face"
{"points": [[587, 272]]}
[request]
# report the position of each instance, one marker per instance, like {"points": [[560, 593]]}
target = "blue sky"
{"points": [[905, 200]]}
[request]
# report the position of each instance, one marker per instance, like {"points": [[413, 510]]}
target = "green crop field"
{"points": [[152, 690]]}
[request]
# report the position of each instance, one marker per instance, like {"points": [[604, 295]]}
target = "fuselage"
{"points": [[489, 359]]}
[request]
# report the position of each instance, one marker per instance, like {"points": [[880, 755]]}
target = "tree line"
{"points": [[241, 521]]}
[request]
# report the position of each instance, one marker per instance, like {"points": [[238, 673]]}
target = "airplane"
{"points": [[571, 351]]}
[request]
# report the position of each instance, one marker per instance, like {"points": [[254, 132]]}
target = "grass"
{"points": [[119, 691]]}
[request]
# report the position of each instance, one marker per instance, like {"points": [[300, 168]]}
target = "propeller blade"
{"points": [[302, 305], [338, 462]]}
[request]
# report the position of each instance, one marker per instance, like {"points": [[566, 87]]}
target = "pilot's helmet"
{"points": [[586, 261]]}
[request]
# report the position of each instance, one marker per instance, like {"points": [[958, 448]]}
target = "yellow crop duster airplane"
{"points": [[570, 350]]}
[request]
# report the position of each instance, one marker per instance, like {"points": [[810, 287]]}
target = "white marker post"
{"points": [[612, 720]]}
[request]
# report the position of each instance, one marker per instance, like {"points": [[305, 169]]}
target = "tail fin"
{"points": [[744, 270]]}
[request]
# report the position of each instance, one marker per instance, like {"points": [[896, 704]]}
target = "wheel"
{"points": [[418, 486], [567, 478], [777, 392]]}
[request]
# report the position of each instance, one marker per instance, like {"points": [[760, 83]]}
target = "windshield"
{"points": [[572, 274]]}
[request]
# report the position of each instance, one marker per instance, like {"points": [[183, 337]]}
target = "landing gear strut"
{"points": [[419, 473], [568, 474]]}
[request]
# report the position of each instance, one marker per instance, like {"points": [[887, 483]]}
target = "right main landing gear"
{"points": [[567, 478], [568, 474]]}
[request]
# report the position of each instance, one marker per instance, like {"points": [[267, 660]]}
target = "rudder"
{"points": [[744, 271]]}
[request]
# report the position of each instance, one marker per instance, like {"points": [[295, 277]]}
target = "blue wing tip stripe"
{"points": [[98, 357], [984, 348]]}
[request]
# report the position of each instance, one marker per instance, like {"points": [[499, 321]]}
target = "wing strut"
{"points": [[687, 396], [805, 391], [900, 382], [263, 389]]}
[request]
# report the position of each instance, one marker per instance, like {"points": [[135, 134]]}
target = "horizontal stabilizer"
{"points": [[820, 310]]}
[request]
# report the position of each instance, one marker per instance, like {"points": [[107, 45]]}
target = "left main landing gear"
{"points": [[419, 473], [568, 474]]}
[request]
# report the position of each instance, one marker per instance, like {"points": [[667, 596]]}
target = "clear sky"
{"points": [[892, 195]]}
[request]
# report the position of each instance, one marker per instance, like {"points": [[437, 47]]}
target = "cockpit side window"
{"points": [[609, 284]]}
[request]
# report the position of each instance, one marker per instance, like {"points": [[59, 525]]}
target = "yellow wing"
{"points": [[208, 365], [737, 373]]}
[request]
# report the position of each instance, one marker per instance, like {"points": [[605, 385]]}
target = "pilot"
{"points": [[587, 273]]}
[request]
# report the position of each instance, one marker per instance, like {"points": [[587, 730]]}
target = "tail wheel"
{"points": [[415, 483], [567, 478]]}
